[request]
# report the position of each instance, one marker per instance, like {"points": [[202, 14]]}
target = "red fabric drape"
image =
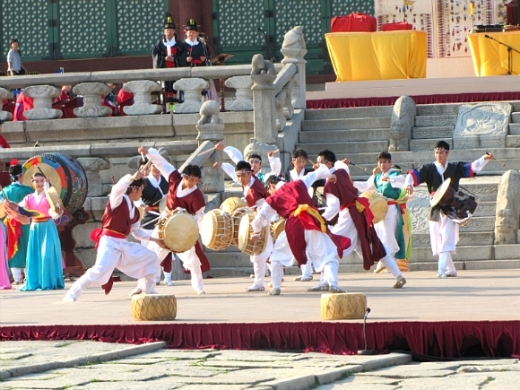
{"points": [[427, 339], [419, 99]]}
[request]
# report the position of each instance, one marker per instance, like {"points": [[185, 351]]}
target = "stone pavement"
{"points": [[96, 365]]}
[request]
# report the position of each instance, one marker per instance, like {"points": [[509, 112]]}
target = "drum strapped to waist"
{"points": [[217, 230], [277, 228], [231, 204], [236, 217], [378, 205], [455, 204], [178, 230], [245, 243], [65, 174]]}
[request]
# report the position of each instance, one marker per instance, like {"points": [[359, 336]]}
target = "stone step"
{"points": [[513, 141], [343, 148], [465, 265], [346, 123], [464, 253], [354, 112], [435, 120], [438, 109], [515, 118], [466, 239], [419, 145], [353, 135], [431, 132]]}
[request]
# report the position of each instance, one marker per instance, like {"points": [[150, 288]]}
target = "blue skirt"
{"points": [[44, 265]]}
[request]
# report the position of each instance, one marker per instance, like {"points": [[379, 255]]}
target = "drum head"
{"points": [[245, 244], [231, 204], [179, 232], [440, 192], [379, 208]]}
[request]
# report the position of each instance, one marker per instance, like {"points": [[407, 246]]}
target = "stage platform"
{"points": [[475, 314], [448, 89]]}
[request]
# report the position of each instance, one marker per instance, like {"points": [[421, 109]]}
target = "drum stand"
{"points": [[73, 266]]}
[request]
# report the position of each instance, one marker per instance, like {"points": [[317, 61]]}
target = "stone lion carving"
{"points": [[209, 113], [294, 38], [507, 210], [262, 66]]}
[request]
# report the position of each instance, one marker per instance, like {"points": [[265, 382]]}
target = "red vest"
{"points": [[118, 220], [256, 192]]}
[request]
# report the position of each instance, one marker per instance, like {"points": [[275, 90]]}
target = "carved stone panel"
{"points": [[482, 125]]}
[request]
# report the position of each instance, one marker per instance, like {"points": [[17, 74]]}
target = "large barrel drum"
{"points": [[66, 175]]}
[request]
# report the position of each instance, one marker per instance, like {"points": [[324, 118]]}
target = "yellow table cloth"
{"points": [[382, 55], [490, 57]]}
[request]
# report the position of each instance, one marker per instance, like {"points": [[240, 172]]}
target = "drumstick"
{"points": [[143, 157], [503, 165], [149, 222], [358, 166], [153, 212], [157, 201], [207, 151]]}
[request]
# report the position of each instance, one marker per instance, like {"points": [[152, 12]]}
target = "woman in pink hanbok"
{"points": [[44, 262]]}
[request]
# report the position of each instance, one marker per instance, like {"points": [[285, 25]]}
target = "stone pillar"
{"points": [[92, 166], [294, 49], [4, 115], [192, 94], [280, 117], [43, 97], [243, 96], [211, 131], [403, 121], [263, 74], [142, 91], [92, 94], [288, 109]]}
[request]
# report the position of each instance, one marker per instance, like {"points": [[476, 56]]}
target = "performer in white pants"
{"points": [[357, 225], [307, 233], [183, 193], [444, 232], [121, 218]]}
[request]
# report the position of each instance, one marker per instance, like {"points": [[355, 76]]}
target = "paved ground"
{"points": [[95, 365], [474, 295]]}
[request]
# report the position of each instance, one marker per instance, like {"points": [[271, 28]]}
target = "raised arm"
{"points": [[159, 161]]}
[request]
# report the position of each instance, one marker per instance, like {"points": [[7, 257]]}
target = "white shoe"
{"points": [[168, 282], [69, 298], [255, 288], [201, 292]]}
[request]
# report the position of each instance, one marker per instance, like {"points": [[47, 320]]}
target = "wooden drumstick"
{"points": [[207, 151], [152, 221], [143, 157], [358, 166], [494, 158]]}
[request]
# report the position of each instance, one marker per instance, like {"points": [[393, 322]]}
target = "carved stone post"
{"points": [[92, 93], [294, 49], [211, 131], [403, 121], [244, 96], [263, 74], [92, 166], [142, 91], [4, 115], [43, 96], [288, 109], [192, 94]]}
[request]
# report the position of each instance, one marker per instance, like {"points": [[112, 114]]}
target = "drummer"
{"points": [[444, 232], [307, 234], [388, 182], [154, 191], [342, 198], [255, 195], [182, 193], [113, 249]]}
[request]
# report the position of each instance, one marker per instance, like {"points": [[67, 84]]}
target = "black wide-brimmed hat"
{"points": [[168, 23], [191, 24]]}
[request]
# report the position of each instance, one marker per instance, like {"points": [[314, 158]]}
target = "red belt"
{"points": [[402, 205], [153, 208]]}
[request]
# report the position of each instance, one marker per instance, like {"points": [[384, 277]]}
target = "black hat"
{"points": [[191, 24], [168, 23], [13, 40]]}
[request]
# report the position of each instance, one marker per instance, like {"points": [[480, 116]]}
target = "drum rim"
{"points": [[439, 193]]}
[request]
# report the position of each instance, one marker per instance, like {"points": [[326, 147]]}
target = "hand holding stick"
{"points": [[490, 156]]}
